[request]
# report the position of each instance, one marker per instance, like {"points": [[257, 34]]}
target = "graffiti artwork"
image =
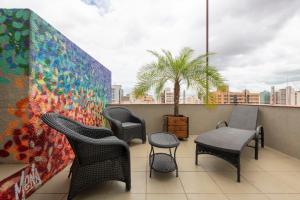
{"points": [[41, 71]]}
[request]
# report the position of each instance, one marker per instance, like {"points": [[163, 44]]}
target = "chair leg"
{"points": [[196, 154], [70, 172], [238, 167], [71, 168], [128, 186], [262, 137], [256, 148], [69, 197], [144, 137], [239, 172]]}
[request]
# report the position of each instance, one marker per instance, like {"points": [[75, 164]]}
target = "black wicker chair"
{"points": [[99, 156], [124, 124]]}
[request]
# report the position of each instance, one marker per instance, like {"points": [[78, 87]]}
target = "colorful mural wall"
{"points": [[41, 71]]}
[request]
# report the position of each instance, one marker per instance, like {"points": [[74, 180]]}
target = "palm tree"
{"points": [[183, 69]]}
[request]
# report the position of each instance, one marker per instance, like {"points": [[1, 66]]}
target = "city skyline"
{"points": [[274, 96], [264, 52], [128, 89]]}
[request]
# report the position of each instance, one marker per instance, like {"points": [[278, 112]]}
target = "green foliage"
{"points": [[184, 68]]}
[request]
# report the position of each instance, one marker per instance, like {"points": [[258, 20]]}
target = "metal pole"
{"points": [[120, 96], [207, 20]]}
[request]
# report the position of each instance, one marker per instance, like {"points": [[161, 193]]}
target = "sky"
{"points": [[256, 43]]}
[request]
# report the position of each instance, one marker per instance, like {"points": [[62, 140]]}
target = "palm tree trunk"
{"points": [[176, 97]]}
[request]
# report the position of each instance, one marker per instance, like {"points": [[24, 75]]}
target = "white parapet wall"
{"points": [[281, 123]]}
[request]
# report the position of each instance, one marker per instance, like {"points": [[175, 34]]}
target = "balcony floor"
{"points": [[275, 176]]}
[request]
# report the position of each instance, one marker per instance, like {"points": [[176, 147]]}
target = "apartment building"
{"points": [[227, 97], [167, 96], [286, 96], [264, 97], [116, 93]]}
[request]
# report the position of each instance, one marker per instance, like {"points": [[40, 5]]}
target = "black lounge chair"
{"points": [[125, 125], [229, 139], [99, 156]]}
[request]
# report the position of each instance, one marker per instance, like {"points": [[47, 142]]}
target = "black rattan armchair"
{"points": [[125, 124], [99, 156]]}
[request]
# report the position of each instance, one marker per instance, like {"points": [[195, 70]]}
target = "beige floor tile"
{"points": [[186, 143], [291, 178], [58, 184], [138, 182], [284, 196], [46, 197], [277, 153], [138, 149], [107, 188], [228, 184], [264, 153], [188, 164], [164, 183], [248, 164], [247, 197], [139, 164], [67, 168], [138, 186], [116, 196], [267, 183], [206, 197], [166, 197], [7, 170], [213, 163], [186, 150], [279, 164], [198, 182], [273, 153]]}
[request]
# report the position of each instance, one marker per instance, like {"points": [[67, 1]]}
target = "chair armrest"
{"points": [[96, 132], [114, 121], [91, 150], [258, 130], [221, 124], [107, 141], [137, 119], [115, 125]]}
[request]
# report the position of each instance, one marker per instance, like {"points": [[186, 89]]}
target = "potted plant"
{"points": [[184, 69]]}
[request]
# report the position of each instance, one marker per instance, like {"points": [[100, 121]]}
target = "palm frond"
{"points": [[183, 68]]}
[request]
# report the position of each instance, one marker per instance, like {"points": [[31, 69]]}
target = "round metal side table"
{"points": [[163, 162]]}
